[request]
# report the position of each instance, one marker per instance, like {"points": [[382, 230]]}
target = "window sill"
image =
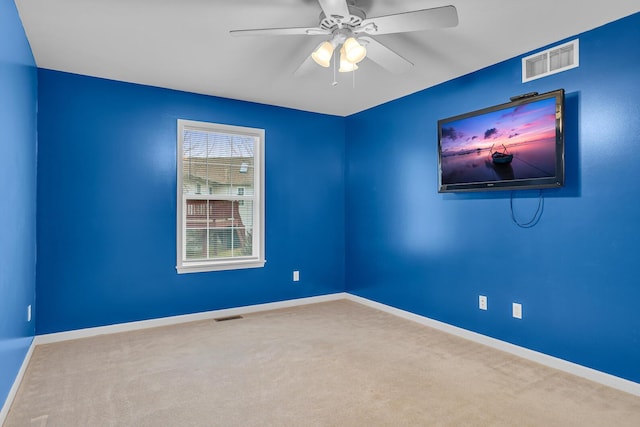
{"points": [[220, 266]]}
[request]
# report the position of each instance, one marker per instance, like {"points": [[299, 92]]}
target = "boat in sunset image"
{"points": [[501, 158]]}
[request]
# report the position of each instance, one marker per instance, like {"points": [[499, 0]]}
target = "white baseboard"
{"points": [[165, 321], [541, 358], [16, 384]]}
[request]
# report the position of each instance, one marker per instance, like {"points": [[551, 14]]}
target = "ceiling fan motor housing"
{"points": [[331, 23]]}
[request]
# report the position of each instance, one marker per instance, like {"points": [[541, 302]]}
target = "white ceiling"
{"points": [[185, 44]]}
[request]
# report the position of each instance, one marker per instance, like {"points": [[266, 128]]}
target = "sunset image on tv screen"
{"points": [[508, 144]]}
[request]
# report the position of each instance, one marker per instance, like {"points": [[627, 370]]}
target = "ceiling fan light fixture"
{"points": [[322, 55], [354, 51], [346, 66]]}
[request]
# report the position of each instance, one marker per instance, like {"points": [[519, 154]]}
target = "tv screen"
{"points": [[516, 145]]}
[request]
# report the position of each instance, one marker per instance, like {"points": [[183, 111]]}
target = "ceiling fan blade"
{"points": [[385, 57], [313, 31], [419, 20], [334, 8]]}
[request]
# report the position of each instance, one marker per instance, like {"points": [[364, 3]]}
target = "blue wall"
{"points": [[17, 194], [576, 272], [107, 201]]}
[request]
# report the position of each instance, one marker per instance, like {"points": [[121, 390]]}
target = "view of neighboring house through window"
{"points": [[224, 228]]}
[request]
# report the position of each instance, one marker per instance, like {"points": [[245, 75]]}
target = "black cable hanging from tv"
{"points": [[536, 216]]}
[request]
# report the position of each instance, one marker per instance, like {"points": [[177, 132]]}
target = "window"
{"points": [[241, 193], [222, 230]]}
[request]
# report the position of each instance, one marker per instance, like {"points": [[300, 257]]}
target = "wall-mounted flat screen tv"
{"points": [[516, 145]]}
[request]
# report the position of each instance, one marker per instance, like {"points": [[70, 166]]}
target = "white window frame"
{"points": [[258, 258]]}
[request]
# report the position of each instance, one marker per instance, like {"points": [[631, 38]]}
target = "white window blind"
{"points": [[222, 228]]}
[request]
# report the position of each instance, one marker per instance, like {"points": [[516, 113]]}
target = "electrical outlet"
{"points": [[517, 310], [29, 313], [482, 302], [296, 276]]}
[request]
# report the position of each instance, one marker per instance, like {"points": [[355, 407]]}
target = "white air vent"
{"points": [[550, 61]]}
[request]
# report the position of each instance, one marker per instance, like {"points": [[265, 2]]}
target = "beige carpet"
{"points": [[329, 364]]}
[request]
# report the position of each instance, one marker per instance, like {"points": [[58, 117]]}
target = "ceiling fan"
{"points": [[347, 30]]}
